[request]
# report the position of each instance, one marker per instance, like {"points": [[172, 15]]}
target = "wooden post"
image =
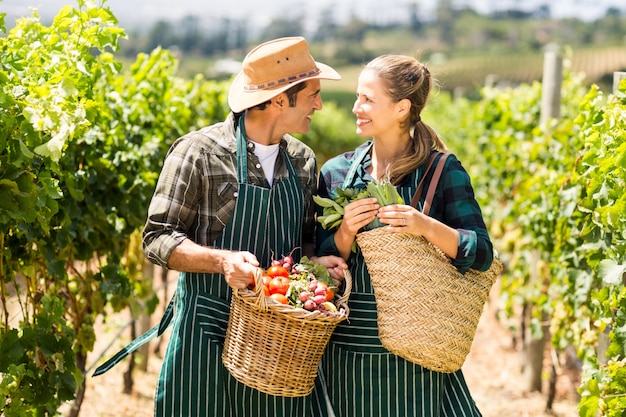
{"points": [[144, 321], [533, 349], [618, 76], [552, 80]]}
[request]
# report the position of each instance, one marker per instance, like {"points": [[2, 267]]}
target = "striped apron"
{"points": [[193, 381], [363, 379]]}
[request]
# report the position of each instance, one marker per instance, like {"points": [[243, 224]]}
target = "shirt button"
{"points": [[258, 165], [235, 194], [250, 145]]}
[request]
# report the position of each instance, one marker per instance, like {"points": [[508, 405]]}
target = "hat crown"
{"points": [[276, 63]]}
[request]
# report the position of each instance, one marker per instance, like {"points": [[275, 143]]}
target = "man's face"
{"points": [[297, 119]]}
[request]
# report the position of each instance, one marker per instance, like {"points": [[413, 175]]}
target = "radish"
{"points": [[319, 299]]}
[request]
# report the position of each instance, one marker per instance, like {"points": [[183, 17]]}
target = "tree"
{"points": [[415, 24], [191, 39], [161, 35], [327, 27], [354, 30], [284, 26], [445, 22]]}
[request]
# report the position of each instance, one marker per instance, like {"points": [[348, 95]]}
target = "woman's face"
{"points": [[376, 114]]}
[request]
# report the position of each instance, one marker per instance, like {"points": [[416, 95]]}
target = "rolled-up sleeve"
{"points": [[457, 207], [174, 205]]}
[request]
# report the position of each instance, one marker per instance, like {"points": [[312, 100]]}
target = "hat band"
{"points": [[281, 81]]}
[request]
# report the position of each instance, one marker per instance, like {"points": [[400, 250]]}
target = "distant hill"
{"points": [[465, 75]]}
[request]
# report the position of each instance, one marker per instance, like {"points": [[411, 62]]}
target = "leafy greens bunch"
{"points": [[332, 215]]}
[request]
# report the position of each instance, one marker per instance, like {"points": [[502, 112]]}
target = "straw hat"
{"points": [[273, 67]]}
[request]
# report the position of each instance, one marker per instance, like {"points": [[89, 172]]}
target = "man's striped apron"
{"points": [[193, 381]]}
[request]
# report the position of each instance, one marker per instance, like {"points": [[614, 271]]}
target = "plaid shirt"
{"points": [[453, 204], [197, 189]]}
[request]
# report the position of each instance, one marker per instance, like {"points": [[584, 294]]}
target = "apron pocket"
{"points": [[212, 316], [226, 201]]}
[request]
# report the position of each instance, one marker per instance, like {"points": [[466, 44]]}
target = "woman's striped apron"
{"points": [[193, 380], [363, 378]]}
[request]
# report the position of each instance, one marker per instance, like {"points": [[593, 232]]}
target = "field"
{"points": [[473, 71]]}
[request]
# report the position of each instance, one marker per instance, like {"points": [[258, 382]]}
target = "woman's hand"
{"points": [[356, 215], [403, 218]]}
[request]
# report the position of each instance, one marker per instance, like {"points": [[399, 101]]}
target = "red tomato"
{"points": [[252, 283], [279, 285], [281, 298], [266, 280], [277, 271], [266, 284]]}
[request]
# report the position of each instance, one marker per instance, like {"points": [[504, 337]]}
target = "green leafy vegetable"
{"points": [[332, 215]]}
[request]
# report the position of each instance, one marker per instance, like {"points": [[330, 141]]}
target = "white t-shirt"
{"points": [[267, 158]]}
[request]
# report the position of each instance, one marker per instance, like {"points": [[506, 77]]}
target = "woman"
{"points": [[362, 377]]}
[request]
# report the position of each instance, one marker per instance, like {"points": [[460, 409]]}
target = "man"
{"points": [[229, 198]]}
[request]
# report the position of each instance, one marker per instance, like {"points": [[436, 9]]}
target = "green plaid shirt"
{"points": [[453, 204], [197, 188]]}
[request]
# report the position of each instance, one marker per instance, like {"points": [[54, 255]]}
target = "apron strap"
{"points": [[157, 330], [356, 162], [242, 155]]}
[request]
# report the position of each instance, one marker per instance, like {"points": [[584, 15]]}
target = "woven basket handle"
{"points": [[261, 301], [432, 187], [347, 289]]}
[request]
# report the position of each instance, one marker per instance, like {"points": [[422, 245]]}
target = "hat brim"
{"points": [[239, 99]]}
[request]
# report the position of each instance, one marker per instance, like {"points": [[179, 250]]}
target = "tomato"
{"points": [[266, 280], [281, 298], [279, 285], [252, 283], [277, 271]]}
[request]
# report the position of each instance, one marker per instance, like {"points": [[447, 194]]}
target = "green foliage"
{"points": [[38, 365], [82, 139], [553, 197], [82, 144]]}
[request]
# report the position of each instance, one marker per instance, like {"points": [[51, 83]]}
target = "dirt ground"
{"points": [[492, 371]]}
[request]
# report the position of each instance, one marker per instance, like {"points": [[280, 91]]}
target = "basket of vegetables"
{"points": [[427, 311], [279, 327]]}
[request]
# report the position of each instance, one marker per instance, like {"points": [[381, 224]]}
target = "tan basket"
{"points": [[276, 348], [427, 311]]}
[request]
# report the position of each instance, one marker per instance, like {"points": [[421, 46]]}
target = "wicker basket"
{"points": [[276, 348], [427, 311]]}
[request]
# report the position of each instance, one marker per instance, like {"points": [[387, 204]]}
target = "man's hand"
{"points": [[239, 268], [335, 266]]}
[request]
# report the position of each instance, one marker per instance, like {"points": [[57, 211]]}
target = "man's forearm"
{"points": [[191, 257]]}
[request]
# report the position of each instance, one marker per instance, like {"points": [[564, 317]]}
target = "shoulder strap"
{"points": [[420, 186], [430, 193]]}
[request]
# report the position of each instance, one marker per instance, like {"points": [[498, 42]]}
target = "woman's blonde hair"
{"points": [[404, 77]]}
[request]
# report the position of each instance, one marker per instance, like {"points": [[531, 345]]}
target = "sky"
{"points": [[132, 13]]}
